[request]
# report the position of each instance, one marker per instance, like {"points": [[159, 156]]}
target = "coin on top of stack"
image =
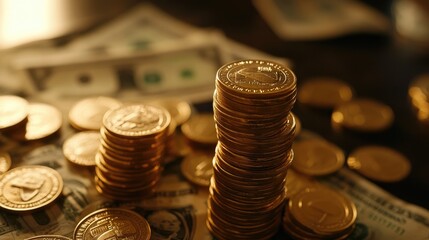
{"points": [[133, 143], [319, 212], [418, 92], [255, 132]]}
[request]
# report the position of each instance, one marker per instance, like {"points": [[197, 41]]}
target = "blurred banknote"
{"points": [[320, 19]]}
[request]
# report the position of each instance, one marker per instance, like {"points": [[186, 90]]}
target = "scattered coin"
{"points": [[364, 115], [29, 187], [87, 114], [5, 162], [13, 111], [48, 237], [82, 147], [44, 120], [418, 92], [200, 128], [179, 110], [379, 163], [317, 157], [197, 167], [324, 92], [112, 223]]}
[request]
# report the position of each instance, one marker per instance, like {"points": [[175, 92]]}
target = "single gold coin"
{"points": [[29, 187], [419, 88], [324, 92], [87, 114], [379, 163], [137, 120], [200, 128], [112, 223], [317, 157], [179, 110], [323, 210], [43, 121], [82, 147], [364, 115], [48, 237], [197, 167], [5, 162], [13, 110]]}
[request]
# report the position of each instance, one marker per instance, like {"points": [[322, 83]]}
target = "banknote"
{"points": [[320, 19]]}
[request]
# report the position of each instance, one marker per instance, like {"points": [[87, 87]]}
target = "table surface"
{"points": [[376, 66]]}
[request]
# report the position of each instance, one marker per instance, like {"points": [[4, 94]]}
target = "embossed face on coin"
{"points": [[29, 187], [112, 223]]}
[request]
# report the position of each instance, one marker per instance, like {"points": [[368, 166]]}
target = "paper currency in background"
{"points": [[320, 19], [171, 60]]}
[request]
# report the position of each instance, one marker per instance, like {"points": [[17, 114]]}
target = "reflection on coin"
{"points": [[200, 128], [298, 126], [112, 223], [87, 114], [363, 115], [197, 167], [379, 163], [419, 96], [82, 147], [48, 237], [324, 92], [180, 111], [29, 187], [317, 157], [43, 121], [5, 162], [13, 110]]}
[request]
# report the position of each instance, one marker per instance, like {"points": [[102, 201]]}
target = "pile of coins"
{"points": [[319, 212], [133, 143], [255, 129], [419, 97]]}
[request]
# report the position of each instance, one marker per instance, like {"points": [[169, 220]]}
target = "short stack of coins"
{"points": [[255, 131], [133, 144]]}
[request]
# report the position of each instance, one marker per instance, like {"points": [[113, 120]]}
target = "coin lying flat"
{"points": [[43, 121], [317, 157], [200, 128], [5, 162], [29, 187], [197, 167], [379, 163], [13, 110], [179, 110], [324, 92], [112, 223], [87, 114], [364, 115], [48, 237], [82, 147]]}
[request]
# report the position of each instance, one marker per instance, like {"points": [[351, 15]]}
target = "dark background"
{"points": [[380, 67]]}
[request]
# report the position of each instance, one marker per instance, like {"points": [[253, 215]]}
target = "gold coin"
{"points": [[317, 157], [197, 167], [323, 210], [48, 237], [296, 182], [200, 128], [179, 110], [13, 110], [379, 163], [419, 88], [43, 121], [324, 92], [363, 115], [136, 120], [29, 187], [298, 126], [82, 147], [5, 162], [112, 223], [87, 114]]}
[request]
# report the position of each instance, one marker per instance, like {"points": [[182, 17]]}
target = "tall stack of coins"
{"points": [[133, 143], [255, 129]]}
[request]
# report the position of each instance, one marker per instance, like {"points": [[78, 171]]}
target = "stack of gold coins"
{"points": [[419, 97], [319, 212], [255, 129], [133, 143]]}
